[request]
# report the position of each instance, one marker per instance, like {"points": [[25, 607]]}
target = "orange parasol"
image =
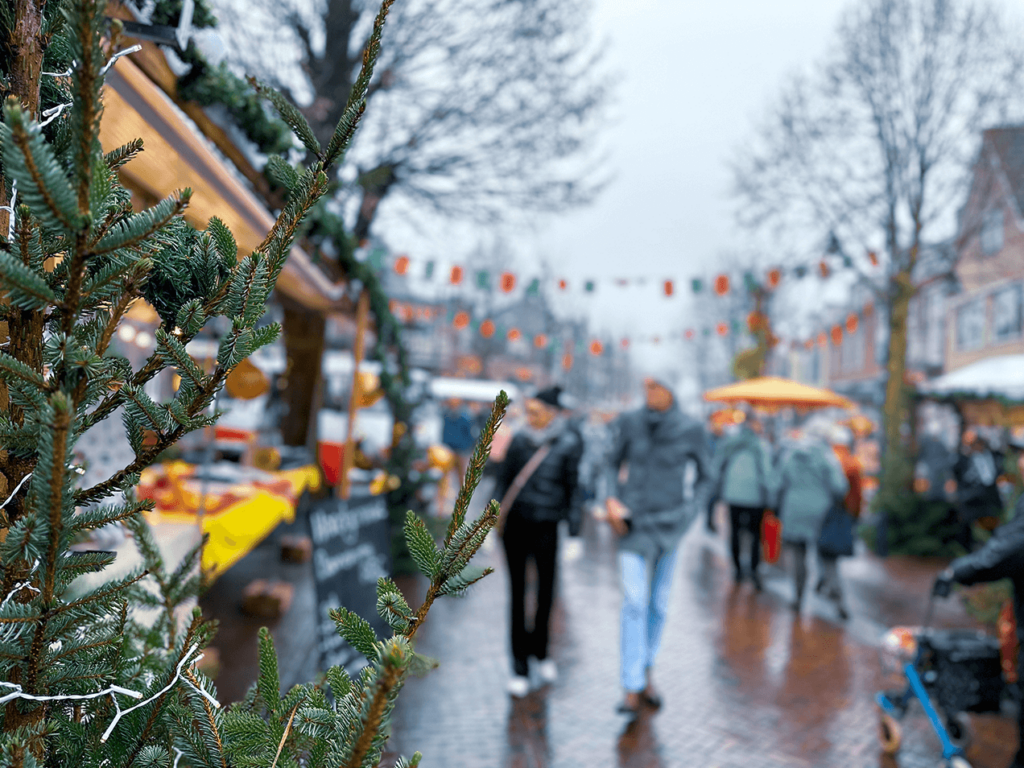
{"points": [[771, 391]]}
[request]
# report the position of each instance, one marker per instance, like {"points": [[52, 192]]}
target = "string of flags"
{"points": [[507, 281], [721, 285]]}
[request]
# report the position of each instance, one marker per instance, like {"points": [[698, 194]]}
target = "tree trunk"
{"points": [[375, 184], [304, 347], [895, 409], [27, 45]]}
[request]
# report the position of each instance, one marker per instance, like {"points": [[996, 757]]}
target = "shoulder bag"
{"points": [[520, 482]]}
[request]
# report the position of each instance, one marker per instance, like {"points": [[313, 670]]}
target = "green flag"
{"points": [[483, 279], [697, 284], [428, 271], [589, 286], [533, 289], [751, 283], [376, 258]]}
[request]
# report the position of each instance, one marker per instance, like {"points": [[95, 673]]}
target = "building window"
{"points": [[970, 325], [1006, 313], [992, 231], [935, 326]]}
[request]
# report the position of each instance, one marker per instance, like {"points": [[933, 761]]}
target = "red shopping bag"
{"points": [[1008, 642], [771, 537]]}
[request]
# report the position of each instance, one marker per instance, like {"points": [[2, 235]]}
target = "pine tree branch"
{"points": [[208, 709], [143, 460], [155, 710], [378, 705], [60, 428]]}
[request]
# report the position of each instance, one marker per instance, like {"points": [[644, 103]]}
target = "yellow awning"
{"points": [[772, 391]]}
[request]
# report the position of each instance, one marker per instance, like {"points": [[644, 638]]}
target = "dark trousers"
{"points": [[745, 519], [523, 540]]}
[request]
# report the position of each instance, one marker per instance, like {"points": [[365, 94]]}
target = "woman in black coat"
{"points": [[529, 525]]}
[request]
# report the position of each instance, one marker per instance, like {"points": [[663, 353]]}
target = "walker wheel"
{"points": [[958, 727], [890, 733]]}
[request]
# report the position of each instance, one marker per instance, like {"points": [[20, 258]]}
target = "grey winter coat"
{"points": [[654, 448], [743, 467], [811, 481]]}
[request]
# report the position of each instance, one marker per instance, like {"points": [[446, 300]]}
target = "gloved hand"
{"points": [[943, 584]]}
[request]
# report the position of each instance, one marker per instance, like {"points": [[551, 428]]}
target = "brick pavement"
{"points": [[745, 683]]}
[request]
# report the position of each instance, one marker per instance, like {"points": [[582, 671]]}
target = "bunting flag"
{"points": [[567, 361], [721, 285]]}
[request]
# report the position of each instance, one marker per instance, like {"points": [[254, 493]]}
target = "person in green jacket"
{"points": [[743, 466], [811, 481]]}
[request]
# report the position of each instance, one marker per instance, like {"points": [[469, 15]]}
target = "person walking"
{"points": [[457, 434], [1002, 557], [651, 511], [975, 473], [743, 467], [538, 487], [829, 584], [810, 482], [714, 439]]}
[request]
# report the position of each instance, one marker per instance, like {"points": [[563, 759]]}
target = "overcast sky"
{"points": [[695, 79]]}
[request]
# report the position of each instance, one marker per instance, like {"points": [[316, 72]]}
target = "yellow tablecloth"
{"points": [[236, 520]]}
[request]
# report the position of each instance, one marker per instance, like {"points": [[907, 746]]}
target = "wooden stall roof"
{"points": [[176, 155]]}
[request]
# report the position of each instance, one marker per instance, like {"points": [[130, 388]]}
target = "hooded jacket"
{"points": [[553, 492], [743, 467], [1002, 557], [654, 448], [811, 481]]}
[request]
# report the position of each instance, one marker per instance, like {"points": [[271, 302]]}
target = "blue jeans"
{"points": [[644, 603]]}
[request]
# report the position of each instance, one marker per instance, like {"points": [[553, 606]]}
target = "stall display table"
{"points": [[237, 508]]}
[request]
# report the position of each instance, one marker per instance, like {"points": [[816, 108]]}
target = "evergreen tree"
{"points": [[81, 681]]}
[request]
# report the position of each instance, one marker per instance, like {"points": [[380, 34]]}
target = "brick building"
{"points": [[985, 319]]}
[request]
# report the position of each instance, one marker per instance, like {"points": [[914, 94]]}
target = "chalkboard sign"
{"points": [[351, 550]]}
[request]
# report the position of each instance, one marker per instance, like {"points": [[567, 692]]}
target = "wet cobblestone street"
{"points": [[746, 684]]}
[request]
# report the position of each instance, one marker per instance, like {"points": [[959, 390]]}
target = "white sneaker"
{"points": [[547, 670], [519, 686]]}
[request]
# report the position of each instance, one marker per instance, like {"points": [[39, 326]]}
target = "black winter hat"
{"points": [[550, 396]]}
